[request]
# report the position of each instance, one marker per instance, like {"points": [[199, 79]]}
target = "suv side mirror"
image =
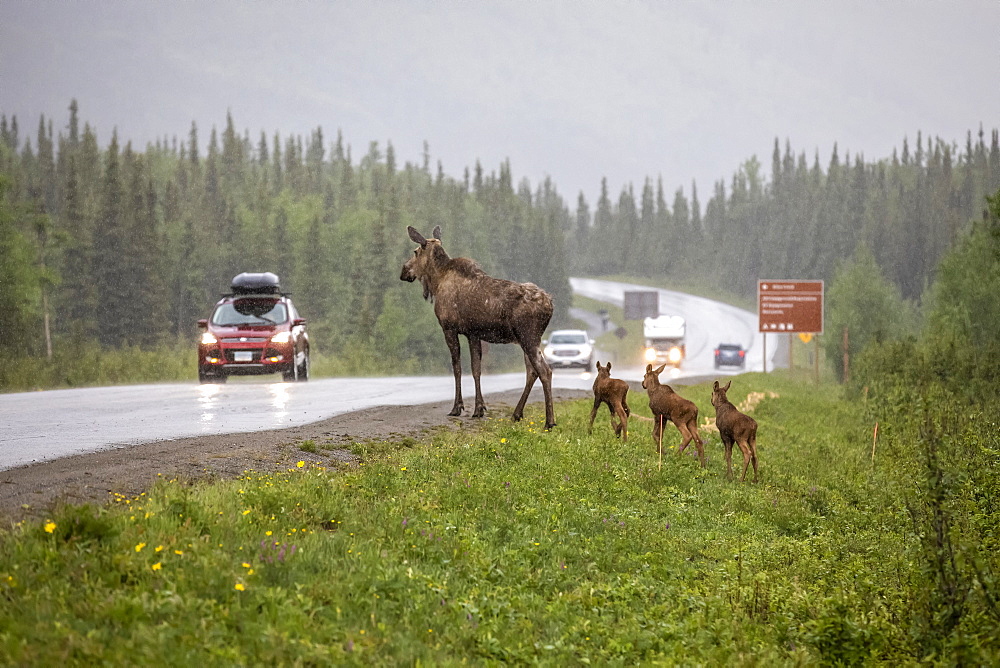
{"points": [[203, 323], [299, 322]]}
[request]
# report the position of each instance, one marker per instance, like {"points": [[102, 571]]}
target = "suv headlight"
{"points": [[674, 355], [650, 354], [207, 339], [281, 337]]}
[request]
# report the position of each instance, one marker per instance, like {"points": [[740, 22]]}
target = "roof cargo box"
{"points": [[249, 283]]}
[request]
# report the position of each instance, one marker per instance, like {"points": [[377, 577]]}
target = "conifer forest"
{"points": [[109, 245]]}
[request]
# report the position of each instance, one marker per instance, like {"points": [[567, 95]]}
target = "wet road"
{"points": [[709, 323], [39, 426]]}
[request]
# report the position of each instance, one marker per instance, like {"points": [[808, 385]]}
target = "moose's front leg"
{"points": [[451, 338], [476, 352]]}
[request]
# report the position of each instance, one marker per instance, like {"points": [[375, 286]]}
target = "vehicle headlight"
{"points": [[548, 351], [650, 354], [208, 339], [281, 337], [674, 355]]}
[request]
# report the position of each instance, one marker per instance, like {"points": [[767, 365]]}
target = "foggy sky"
{"points": [[572, 90]]}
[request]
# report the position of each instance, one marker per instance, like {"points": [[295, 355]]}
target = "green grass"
{"points": [[503, 544]]}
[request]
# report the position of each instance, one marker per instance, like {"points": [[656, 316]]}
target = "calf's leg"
{"points": [[593, 414]]}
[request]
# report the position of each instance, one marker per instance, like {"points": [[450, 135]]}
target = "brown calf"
{"points": [[611, 391], [735, 427], [668, 405]]}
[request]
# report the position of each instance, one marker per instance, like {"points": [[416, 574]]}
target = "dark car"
{"points": [[730, 354], [253, 330]]}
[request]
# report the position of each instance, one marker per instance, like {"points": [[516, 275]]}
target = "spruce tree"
{"points": [[111, 271]]}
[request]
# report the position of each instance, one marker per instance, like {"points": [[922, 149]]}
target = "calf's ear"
{"points": [[437, 232], [609, 366], [728, 385], [715, 385]]}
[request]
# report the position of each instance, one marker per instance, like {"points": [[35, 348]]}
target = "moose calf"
{"points": [[668, 405], [735, 427], [611, 391]]}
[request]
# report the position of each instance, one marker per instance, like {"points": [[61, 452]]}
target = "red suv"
{"points": [[254, 329]]}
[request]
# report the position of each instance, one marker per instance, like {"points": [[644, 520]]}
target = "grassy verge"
{"points": [[503, 544]]}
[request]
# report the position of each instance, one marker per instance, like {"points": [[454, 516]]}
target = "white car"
{"points": [[569, 347]]}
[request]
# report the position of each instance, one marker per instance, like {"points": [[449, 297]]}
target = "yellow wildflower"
{"points": [[138, 548], [50, 527], [300, 464], [157, 566], [239, 587]]}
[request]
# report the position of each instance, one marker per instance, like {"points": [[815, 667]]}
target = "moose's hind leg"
{"points": [[529, 380]]}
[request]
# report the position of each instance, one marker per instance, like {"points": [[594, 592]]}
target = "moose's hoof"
{"points": [[455, 412], [479, 412], [549, 426]]}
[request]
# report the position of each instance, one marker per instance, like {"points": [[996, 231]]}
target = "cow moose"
{"points": [[668, 405], [735, 427], [470, 303], [611, 392]]}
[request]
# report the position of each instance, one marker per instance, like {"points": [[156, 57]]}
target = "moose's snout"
{"points": [[406, 274]]}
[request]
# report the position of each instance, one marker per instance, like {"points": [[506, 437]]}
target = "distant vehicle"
{"points": [[664, 339], [730, 354], [569, 347], [253, 330]]}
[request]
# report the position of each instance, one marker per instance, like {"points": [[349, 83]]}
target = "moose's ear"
{"points": [[660, 370], [649, 367], [715, 385], [415, 236], [726, 388], [437, 232], [609, 366]]}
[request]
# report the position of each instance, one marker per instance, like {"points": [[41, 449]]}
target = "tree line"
{"points": [[130, 247], [800, 223], [127, 247]]}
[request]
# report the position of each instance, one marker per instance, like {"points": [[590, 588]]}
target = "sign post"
{"points": [[789, 307]]}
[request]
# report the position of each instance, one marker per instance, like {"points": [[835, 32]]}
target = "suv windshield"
{"points": [[568, 338], [250, 312]]}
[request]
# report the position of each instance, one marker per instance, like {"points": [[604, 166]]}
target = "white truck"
{"points": [[664, 339]]}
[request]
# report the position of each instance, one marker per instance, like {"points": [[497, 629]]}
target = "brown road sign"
{"points": [[790, 306]]}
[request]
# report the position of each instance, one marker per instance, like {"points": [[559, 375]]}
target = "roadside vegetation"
{"points": [[507, 544]]}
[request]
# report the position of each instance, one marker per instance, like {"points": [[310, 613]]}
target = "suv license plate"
{"points": [[242, 356]]}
